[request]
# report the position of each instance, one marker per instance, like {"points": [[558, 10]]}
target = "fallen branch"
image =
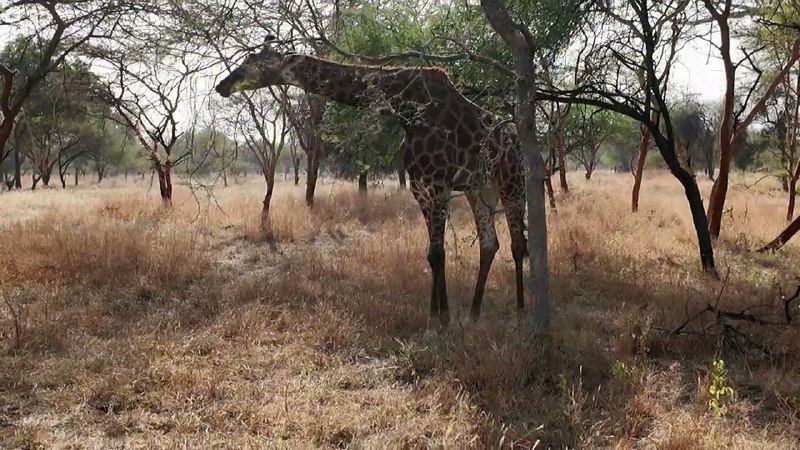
{"points": [[725, 320]]}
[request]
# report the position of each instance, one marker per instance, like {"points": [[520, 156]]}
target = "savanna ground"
{"points": [[124, 325]]}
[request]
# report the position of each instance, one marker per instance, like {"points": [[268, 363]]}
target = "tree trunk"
{"points": [[401, 176], [644, 143], [77, 172], [782, 238], [525, 119], [362, 183], [792, 195], [792, 127], [296, 171], [548, 182], [269, 179], [101, 172], [165, 182], [692, 192], [46, 174], [34, 181], [312, 170], [562, 168], [17, 166]]}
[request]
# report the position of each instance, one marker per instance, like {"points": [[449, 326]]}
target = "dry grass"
{"points": [[125, 325]]}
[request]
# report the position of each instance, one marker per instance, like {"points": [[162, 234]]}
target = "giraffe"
{"points": [[450, 144]]}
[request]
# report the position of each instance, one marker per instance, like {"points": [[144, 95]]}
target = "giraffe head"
{"points": [[262, 69]]}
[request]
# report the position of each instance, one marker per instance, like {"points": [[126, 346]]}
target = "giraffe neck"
{"points": [[357, 85]]}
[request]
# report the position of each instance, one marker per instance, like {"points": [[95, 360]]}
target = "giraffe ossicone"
{"points": [[450, 144]]}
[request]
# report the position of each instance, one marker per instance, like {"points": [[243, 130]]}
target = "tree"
{"points": [[361, 143], [733, 123], [523, 45], [57, 29], [627, 64], [147, 87], [59, 118], [695, 131], [262, 121], [589, 129]]}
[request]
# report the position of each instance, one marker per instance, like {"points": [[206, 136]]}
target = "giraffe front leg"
{"points": [[434, 209], [483, 206]]}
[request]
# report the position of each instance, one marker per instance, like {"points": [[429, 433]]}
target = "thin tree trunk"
{"points": [[644, 144], [792, 125], [17, 166], [34, 181], [792, 195], [401, 176], [548, 181], [560, 148], [296, 171], [77, 172], [312, 171], [265, 220]]}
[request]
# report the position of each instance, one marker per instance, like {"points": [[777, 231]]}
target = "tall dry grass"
{"points": [[124, 324]]}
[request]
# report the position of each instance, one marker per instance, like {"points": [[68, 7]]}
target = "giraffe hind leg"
{"points": [[515, 215], [483, 203]]}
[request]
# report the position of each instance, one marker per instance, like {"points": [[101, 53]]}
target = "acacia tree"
{"points": [[590, 129], [262, 122], [58, 117], [631, 48], [305, 113], [56, 29], [734, 121], [148, 84]]}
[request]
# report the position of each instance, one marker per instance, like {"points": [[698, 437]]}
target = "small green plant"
{"points": [[620, 370], [719, 388]]}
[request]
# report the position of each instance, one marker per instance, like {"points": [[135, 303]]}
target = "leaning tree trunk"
{"points": [[34, 181], [644, 144], [692, 192], [362, 183], [782, 238]]}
